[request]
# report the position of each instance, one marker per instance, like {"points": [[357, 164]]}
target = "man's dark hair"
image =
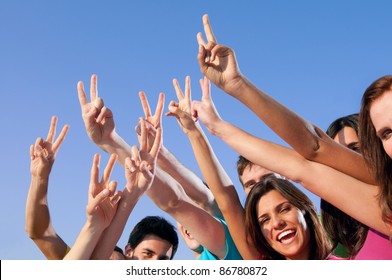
{"points": [[157, 226]]}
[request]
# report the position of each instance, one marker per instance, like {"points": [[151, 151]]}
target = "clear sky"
{"points": [[315, 57]]}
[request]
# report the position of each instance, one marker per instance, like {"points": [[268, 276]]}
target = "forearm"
{"points": [[170, 197], [296, 131], [224, 193], [341, 190], [113, 232], [213, 172], [117, 145], [165, 191], [307, 139], [261, 152], [37, 211], [190, 182], [38, 224], [85, 243]]}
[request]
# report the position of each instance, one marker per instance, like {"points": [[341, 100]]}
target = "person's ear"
{"points": [[128, 251]]}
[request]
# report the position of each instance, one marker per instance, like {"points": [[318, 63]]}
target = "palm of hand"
{"points": [[207, 114], [139, 178], [104, 213]]}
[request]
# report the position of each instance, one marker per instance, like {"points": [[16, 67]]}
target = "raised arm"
{"points": [[218, 63], [189, 181], [214, 174], [100, 210], [99, 122], [347, 193], [169, 196], [38, 223], [139, 172]]}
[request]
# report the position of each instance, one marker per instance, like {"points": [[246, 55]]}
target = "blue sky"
{"points": [[315, 57]]}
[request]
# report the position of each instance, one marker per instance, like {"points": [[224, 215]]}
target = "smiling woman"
{"points": [[282, 222]]}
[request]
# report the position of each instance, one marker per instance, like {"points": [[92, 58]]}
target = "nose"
{"points": [[278, 222]]}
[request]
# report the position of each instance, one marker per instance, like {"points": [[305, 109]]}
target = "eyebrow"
{"points": [[352, 145]]}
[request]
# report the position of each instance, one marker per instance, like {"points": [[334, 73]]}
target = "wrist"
{"points": [[109, 142], [241, 84], [93, 227], [40, 178]]}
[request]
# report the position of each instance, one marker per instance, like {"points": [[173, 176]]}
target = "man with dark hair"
{"points": [[153, 238], [249, 173]]}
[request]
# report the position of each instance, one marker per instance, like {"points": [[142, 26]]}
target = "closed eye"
{"points": [[249, 184], [354, 146], [263, 220], [386, 134]]}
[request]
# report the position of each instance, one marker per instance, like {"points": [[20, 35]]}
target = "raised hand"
{"points": [[140, 168], [182, 109], [102, 199], [217, 62], [43, 152], [97, 118], [205, 109]]}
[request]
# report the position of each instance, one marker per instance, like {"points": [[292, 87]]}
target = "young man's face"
{"points": [[253, 174], [151, 248]]}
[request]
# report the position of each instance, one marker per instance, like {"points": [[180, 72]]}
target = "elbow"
{"points": [[31, 233], [312, 150], [171, 205]]}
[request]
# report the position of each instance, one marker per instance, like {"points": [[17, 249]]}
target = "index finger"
{"points": [[178, 90], [145, 105], [207, 29], [81, 94]]}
